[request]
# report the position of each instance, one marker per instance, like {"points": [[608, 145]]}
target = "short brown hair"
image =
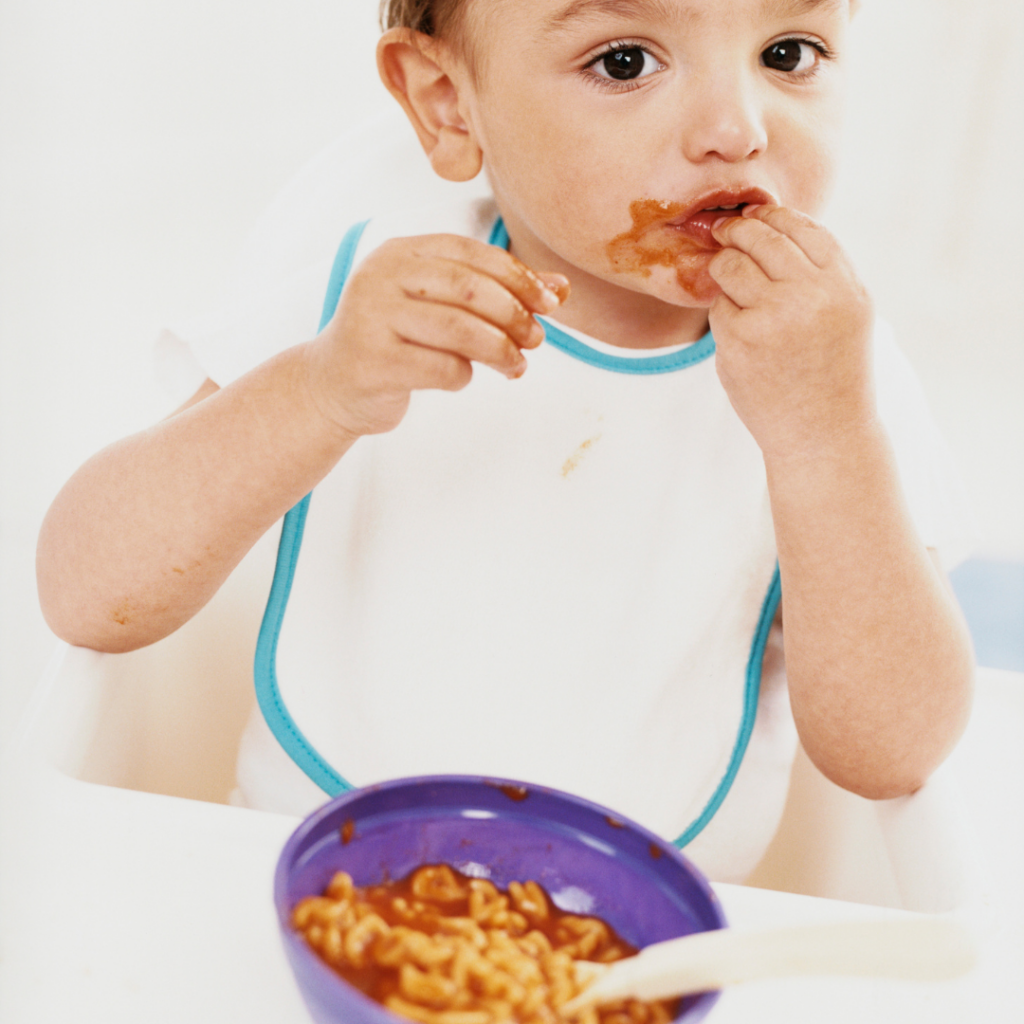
{"points": [[431, 17]]}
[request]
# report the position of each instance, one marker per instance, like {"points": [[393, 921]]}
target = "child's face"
{"points": [[610, 127]]}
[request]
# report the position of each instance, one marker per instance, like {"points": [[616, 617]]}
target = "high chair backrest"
{"points": [[372, 168]]}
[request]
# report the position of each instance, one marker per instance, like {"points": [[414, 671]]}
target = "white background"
{"points": [[139, 142]]}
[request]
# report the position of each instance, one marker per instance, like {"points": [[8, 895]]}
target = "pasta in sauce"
{"points": [[439, 947]]}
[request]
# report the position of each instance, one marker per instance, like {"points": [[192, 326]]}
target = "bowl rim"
{"points": [[330, 807]]}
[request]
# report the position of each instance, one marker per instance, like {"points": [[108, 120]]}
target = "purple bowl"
{"points": [[589, 859]]}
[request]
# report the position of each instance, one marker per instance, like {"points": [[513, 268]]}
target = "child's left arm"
{"points": [[878, 656]]}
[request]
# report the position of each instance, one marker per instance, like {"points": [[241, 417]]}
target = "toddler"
{"points": [[689, 519]]}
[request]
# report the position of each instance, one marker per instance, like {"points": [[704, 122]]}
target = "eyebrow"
{"points": [[778, 8], [580, 9]]}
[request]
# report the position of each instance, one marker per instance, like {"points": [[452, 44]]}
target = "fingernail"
{"points": [[718, 223], [556, 287], [561, 288], [536, 334], [748, 210], [517, 371]]}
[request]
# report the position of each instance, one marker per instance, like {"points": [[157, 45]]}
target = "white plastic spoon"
{"points": [[920, 949]]}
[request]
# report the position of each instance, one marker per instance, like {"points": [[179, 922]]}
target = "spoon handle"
{"points": [[923, 949]]}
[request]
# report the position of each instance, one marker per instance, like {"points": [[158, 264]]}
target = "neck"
{"points": [[612, 314], [628, 319]]}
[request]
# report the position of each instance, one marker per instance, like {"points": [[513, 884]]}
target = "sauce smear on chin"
{"points": [[650, 242]]}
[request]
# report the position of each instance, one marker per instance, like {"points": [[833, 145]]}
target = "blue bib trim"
{"points": [[554, 335], [340, 270], [750, 695], [268, 693]]}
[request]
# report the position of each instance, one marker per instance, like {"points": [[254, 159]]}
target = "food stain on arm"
{"points": [[121, 614]]}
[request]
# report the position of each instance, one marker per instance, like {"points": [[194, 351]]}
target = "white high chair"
{"points": [[132, 891]]}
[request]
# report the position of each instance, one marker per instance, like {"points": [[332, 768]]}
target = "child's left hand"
{"points": [[792, 329]]}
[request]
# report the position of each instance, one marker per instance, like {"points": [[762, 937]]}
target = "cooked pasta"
{"points": [[441, 948]]}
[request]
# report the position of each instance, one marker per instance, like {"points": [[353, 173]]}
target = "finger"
{"points": [[448, 328], [558, 283], [739, 277], [451, 283], [814, 240], [502, 266], [774, 252], [421, 368], [722, 315]]}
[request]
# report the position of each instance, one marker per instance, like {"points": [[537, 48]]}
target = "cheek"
{"points": [[561, 185], [812, 165], [816, 187]]}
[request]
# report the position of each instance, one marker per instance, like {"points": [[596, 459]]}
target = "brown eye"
{"points": [[790, 55], [625, 64]]}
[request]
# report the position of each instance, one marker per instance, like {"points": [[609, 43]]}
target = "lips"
{"points": [[698, 216]]}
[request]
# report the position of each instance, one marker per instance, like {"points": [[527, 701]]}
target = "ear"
{"points": [[418, 71]]}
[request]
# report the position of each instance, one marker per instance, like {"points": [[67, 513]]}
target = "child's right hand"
{"points": [[415, 314]]}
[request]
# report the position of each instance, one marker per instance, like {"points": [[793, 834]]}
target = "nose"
{"points": [[722, 119]]}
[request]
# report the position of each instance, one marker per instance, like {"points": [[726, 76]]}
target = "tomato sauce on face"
{"points": [[652, 242]]}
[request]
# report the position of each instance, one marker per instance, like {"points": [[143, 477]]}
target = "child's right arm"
{"points": [[147, 530]]}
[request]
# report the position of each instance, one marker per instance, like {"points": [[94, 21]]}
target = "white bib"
{"points": [[567, 579]]}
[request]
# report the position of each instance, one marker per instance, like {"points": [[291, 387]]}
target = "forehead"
{"points": [[565, 11], [556, 15]]}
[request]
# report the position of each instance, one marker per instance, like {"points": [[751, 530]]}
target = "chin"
{"points": [[683, 288]]}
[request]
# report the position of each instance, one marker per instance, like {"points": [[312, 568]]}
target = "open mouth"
{"points": [[734, 206], [699, 216]]}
